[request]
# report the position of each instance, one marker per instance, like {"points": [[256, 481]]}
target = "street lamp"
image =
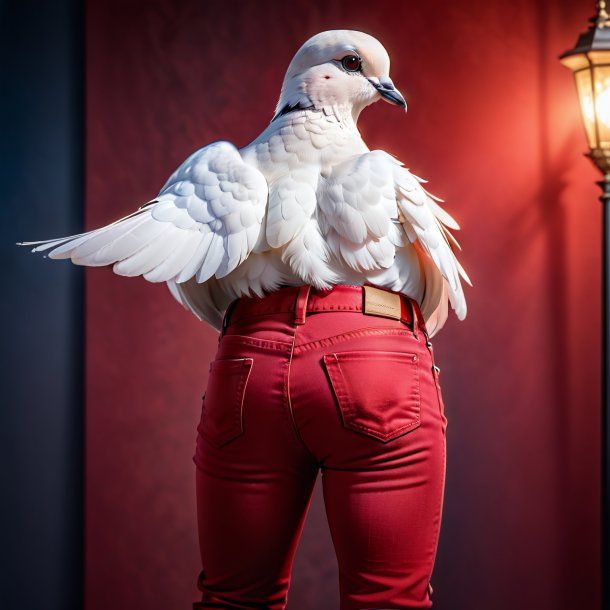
{"points": [[590, 62]]}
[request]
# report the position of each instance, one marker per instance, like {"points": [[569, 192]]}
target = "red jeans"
{"points": [[305, 381]]}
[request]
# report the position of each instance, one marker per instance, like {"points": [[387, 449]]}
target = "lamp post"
{"points": [[590, 62]]}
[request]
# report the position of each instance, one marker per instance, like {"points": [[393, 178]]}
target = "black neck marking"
{"points": [[291, 108]]}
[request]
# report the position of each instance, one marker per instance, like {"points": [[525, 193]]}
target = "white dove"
{"points": [[305, 203]]}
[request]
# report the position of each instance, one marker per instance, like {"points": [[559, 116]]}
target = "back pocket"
{"points": [[377, 392], [222, 409]]}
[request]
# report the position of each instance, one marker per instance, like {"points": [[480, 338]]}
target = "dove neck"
{"points": [[311, 136], [298, 105], [334, 114], [338, 114], [346, 114], [288, 108]]}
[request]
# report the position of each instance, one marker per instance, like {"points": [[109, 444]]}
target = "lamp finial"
{"points": [[602, 20]]}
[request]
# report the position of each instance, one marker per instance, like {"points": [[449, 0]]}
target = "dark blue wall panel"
{"points": [[41, 170]]}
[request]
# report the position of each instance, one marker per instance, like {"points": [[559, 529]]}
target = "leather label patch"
{"points": [[381, 303]]}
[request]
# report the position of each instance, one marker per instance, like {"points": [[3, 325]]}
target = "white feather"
{"points": [[305, 202]]}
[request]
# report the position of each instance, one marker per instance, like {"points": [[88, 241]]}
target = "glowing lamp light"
{"points": [[601, 108], [590, 63]]}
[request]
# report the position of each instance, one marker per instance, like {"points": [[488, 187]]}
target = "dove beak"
{"points": [[385, 87]]}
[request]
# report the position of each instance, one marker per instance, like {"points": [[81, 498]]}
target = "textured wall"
{"points": [[493, 125]]}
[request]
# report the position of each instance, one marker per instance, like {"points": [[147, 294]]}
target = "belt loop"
{"points": [[413, 318], [300, 307], [225, 318]]}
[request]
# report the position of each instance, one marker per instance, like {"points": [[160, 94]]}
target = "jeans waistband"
{"points": [[340, 298]]}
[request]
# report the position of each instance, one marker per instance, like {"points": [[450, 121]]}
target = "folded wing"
{"points": [[376, 216]]}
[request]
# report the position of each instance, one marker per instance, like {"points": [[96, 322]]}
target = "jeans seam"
{"points": [[330, 341], [443, 481], [441, 409], [269, 344], [440, 507], [288, 401]]}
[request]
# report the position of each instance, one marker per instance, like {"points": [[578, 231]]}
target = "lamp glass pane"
{"points": [[587, 107], [601, 78]]}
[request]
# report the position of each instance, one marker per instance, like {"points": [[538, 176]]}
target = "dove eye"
{"points": [[351, 63]]}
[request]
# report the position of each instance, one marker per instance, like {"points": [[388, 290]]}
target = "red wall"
{"points": [[493, 125]]}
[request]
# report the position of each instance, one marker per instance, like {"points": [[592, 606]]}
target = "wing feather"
{"points": [[367, 199], [427, 223], [151, 255], [204, 223], [176, 261]]}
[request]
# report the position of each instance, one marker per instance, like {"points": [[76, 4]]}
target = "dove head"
{"points": [[344, 70]]}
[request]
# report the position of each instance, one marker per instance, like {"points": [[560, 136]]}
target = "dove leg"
{"points": [[367, 403], [384, 506], [385, 525], [248, 535], [254, 478]]}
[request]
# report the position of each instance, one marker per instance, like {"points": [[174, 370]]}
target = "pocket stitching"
{"points": [[350, 334], [236, 405], [345, 404], [348, 403]]}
